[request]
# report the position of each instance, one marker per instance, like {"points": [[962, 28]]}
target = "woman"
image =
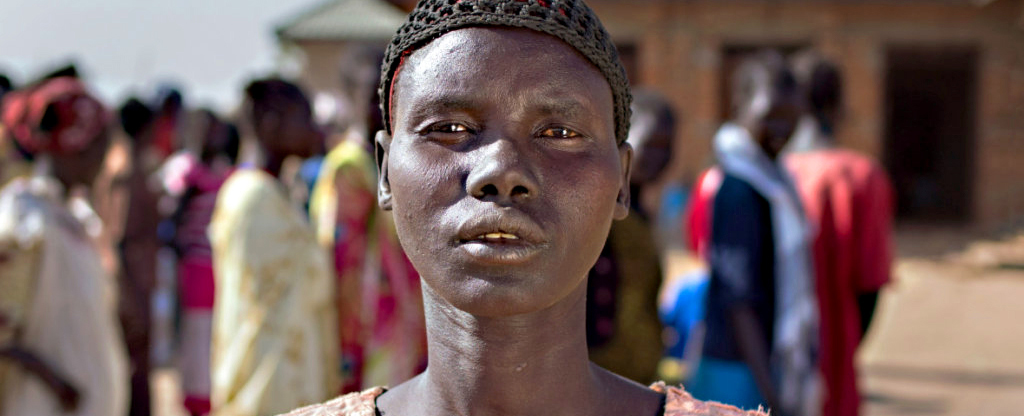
{"points": [[195, 182], [380, 311], [60, 348], [273, 314], [504, 163]]}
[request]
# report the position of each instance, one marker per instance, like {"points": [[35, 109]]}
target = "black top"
{"points": [[742, 266]]}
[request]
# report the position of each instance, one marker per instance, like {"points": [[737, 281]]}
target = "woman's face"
{"points": [[778, 125], [82, 167], [503, 172]]}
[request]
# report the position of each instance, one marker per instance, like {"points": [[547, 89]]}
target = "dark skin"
{"points": [[504, 177], [650, 134], [771, 127], [81, 168], [651, 138], [284, 133], [768, 112]]}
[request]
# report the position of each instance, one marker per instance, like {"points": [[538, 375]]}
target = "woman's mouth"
{"points": [[500, 239], [496, 237], [499, 249]]}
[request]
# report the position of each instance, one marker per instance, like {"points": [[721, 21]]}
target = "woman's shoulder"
{"points": [[352, 404], [248, 190], [248, 180], [677, 403], [680, 403]]}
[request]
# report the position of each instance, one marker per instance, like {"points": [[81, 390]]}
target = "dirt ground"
{"points": [[948, 338]]}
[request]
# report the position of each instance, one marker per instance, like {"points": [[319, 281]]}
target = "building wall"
{"points": [[679, 51], [348, 71], [321, 63]]}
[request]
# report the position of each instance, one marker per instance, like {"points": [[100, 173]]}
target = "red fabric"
{"points": [[391, 88], [197, 284], [698, 216], [195, 268], [848, 200], [80, 117], [164, 130], [197, 405]]}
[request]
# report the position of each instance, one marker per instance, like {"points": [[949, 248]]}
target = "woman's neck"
{"points": [[530, 364]]}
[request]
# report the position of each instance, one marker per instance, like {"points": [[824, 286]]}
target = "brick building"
{"points": [[934, 88]]}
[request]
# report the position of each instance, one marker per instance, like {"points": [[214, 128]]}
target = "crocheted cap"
{"points": [[569, 20]]}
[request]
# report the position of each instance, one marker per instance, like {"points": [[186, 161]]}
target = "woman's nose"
{"points": [[501, 174]]}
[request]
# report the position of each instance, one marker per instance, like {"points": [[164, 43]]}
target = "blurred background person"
{"points": [[168, 108], [623, 330], [274, 321], [138, 246], [382, 339], [849, 203], [194, 182], [380, 310], [761, 318], [5, 85], [61, 351]]}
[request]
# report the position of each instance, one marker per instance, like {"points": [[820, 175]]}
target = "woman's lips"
{"points": [[500, 249], [503, 239], [496, 236]]}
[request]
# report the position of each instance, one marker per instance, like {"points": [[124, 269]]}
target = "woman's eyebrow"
{"points": [[421, 109], [562, 107], [443, 103]]}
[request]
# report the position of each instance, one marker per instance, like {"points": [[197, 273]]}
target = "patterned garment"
{"points": [[196, 185], [622, 302], [677, 403], [274, 325], [57, 302], [77, 116], [380, 308]]}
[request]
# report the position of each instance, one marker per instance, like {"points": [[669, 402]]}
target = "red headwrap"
{"points": [[73, 117]]}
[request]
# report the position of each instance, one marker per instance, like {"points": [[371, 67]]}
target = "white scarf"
{"points": [[796, 312]]}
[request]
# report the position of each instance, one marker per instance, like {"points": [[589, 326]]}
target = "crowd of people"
{"points": [[307, 263], [794, 234], [269, 295]]}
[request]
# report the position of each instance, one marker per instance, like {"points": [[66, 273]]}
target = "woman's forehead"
{"points": [[475, 50], [468, 65]]}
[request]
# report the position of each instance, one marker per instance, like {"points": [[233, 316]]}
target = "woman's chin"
{"points": [[498, 297]]}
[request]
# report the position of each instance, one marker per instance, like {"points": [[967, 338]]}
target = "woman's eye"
{"points": [[559, 133], [449, 128]]}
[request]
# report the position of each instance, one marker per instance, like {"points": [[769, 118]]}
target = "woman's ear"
{"points": [[622, 200], [382, 145]]}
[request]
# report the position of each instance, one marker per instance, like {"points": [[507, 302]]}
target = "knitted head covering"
{"points": [[569, 20], [56, 116]]}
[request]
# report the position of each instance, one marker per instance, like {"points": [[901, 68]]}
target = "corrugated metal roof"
{"points": [[345, 20]]}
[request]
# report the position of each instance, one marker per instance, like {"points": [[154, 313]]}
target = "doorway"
{"points": [[930, 100]]}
